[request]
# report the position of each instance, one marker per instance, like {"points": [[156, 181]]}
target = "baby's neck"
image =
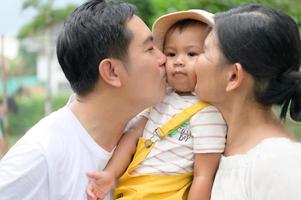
{"points": [[184, 93]]}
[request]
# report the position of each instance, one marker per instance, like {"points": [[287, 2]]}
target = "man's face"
{"points": [[145, 72]]}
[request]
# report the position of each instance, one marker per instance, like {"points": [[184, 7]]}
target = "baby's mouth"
{"points": [[179, 73]]}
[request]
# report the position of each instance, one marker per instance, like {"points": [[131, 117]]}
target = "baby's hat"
{"points": [[165, 22]]}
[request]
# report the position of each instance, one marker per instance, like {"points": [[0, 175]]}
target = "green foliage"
{"points": [[59, 101], [291, 125], [291, 7], [298, 130], [294, 127], [24, 64], [31, 110], [31, 3], [149, 10], [144, 9], [45, 18]]}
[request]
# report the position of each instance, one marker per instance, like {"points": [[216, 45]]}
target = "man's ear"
{"points": [[109, 70], [235, 76]]}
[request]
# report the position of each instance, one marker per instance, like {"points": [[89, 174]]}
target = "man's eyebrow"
{"points": [[150, 38]]}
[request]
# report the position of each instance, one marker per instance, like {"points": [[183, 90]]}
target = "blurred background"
{"points": [[31, 82]]}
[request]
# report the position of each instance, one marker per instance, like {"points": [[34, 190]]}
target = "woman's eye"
{"points": [[150, 49]]}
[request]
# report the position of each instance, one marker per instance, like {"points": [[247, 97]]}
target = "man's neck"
{"points": [[104, 118]]}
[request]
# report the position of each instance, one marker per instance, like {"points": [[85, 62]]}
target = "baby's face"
{"points": [[182, 47]]}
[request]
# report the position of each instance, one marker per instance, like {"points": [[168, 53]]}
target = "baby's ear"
{"points": [[109, 71], [235, 76]]}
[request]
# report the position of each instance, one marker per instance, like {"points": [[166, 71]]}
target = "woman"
{"points": [[253, 53]]}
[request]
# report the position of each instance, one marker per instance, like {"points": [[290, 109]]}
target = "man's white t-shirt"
{"points": [[51, 161]]}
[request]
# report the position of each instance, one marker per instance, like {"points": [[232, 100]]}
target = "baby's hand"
{"points": [[100, 184]]}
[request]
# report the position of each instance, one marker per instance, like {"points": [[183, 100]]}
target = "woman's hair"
{"points": [[266, 43]]}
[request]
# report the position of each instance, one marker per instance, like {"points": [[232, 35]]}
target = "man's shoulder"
{"points": [[58, 119], [48, 133]]}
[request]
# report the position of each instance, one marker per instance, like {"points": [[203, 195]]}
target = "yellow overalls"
{"points": [[156, 187]]}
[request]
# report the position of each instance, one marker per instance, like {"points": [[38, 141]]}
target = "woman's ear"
{"points": [[109, 70], [235, 76]]}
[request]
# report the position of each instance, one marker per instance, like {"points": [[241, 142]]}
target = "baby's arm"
{"points": [[208, 129], [102, 182], [205, 166]]}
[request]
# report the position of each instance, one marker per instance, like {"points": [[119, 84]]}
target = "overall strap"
{"points": [[175, 122]]}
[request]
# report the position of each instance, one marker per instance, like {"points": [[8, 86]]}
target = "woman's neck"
{"points": [[248, 124]]}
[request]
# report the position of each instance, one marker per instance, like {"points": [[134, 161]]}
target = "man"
{"points": [[108, 56]]}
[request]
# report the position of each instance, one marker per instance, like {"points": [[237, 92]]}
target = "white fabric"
{"points": [[204, 133], [269, 171], [51, 161]]}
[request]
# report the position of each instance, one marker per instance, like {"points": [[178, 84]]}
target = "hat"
{"points": [[165, 22]]}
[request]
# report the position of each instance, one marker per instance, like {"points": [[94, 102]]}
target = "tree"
{"points": [[291, 7], [42, 23], [3, 105], [38, 24], [23, 64], [145, 10]]}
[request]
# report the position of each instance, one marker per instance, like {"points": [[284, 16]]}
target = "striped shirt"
{"points": [[205, 132]]}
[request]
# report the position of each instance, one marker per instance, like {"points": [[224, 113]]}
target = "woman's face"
{"points": [[211, 73]]}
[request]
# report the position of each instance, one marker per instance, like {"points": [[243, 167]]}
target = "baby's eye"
{"points": [[170, 54], [192, 54]]}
